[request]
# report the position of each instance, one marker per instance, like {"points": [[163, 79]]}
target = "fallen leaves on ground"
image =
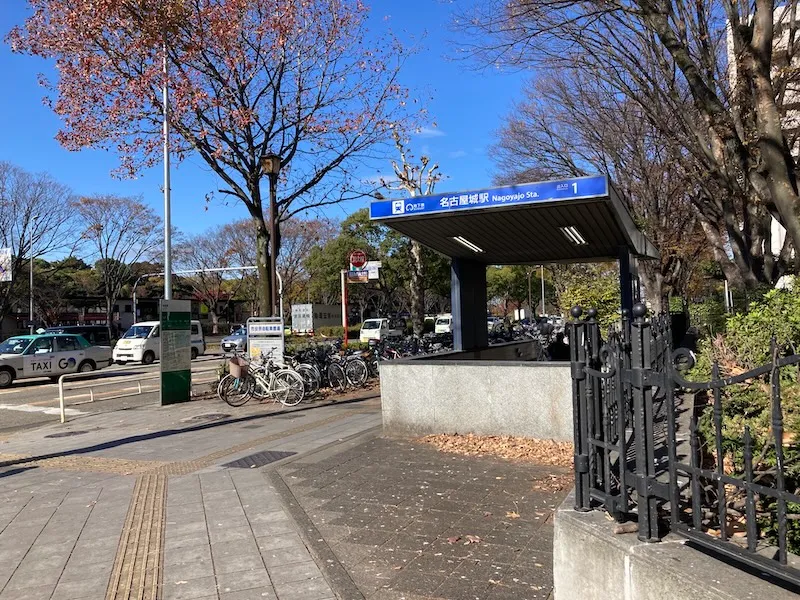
{"points": [[554, 483], [541, 452], [472, 539], [512, 515]]}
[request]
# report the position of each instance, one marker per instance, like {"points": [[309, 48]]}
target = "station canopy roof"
{"points": [[570, 220]]}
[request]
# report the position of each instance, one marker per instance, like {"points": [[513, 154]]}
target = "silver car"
{"points": [[235, 342], [49, 355]]}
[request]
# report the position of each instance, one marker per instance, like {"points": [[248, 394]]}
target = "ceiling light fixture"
{"points": [[467, 244], [573, 235]]}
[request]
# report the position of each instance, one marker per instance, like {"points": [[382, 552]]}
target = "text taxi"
{"points": [[49, 355]]}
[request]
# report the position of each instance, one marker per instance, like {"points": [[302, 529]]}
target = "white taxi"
{"points": [[49, 355]]}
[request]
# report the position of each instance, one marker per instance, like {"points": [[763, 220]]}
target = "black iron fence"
{"points": [[682, 456]]}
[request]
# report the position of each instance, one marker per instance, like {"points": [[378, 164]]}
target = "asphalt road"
{"points": [[32, 402]]}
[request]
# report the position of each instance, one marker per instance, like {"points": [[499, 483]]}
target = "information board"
{"points": [[527, 193], [176, 351], [265, 336]]}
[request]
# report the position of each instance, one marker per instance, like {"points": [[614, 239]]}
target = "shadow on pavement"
{"points": [[178, 431]]}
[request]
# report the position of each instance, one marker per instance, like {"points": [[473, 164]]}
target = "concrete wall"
{"points": [[488, 397], [590, 562]]}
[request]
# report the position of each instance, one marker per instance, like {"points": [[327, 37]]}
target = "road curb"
{"points": [[335, 573]]}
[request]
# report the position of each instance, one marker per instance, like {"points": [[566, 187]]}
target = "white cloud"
{"points": [[458, 154], [429, 132]]}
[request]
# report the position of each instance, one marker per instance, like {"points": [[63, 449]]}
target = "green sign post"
{"points": [[176, 351]]}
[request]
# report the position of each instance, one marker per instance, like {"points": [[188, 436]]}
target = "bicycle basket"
{"points": [[238, 367]]}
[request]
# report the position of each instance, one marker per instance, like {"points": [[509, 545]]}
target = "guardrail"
{"points": [[91, 388]]}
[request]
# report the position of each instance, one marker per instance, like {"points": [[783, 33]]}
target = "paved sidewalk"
{"points": [[152, 503], [409, 522], [203, 501]]}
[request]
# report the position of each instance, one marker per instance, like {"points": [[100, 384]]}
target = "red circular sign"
{"points": [[358, 258]]}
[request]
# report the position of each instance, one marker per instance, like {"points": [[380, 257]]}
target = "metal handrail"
{"points": [[138, 381]]}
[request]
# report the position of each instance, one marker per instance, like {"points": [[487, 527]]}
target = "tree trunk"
{"points": [[109, 315], [262, 262], [653, 284], [214, 321], [417, 289]]}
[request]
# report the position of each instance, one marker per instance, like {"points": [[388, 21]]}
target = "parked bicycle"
{"points": [[265, 380]]}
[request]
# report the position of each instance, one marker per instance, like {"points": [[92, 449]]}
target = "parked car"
{"points": [[492, 322], [142, 343], [49, 355], [382, 328], [235, 342], [96, 335], [444, 324]]}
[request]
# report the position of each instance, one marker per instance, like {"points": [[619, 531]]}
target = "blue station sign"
{"points": [[527, 193]]}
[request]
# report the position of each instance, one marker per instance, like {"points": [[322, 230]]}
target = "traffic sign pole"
{"points": [[344, 304]]}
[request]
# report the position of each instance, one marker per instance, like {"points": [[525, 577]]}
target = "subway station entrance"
{"points": [[576, 220]]}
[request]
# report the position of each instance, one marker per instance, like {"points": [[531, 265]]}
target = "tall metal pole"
{"points": [[542, 276], [30, 308], [273, 244], [344, 304], [167, 217], [530, 296]]}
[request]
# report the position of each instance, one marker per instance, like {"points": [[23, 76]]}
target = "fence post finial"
{"points": [[639, 310], [591, 314], [576, 312]]}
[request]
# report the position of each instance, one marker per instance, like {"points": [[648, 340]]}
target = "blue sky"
{"points": [[467, 106]]}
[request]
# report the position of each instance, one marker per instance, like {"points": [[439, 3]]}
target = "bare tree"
{"points": [[298, 236], [215, 289], [727, 112], [567, 126], [414, 180], [117, 232], [35, 220]]}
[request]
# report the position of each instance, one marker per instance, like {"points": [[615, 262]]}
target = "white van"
{"points": [[380, 329], [444, 324], [141, 343]]}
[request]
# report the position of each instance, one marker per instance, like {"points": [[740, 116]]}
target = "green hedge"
{"points": [[745, 345], [338, 331]]}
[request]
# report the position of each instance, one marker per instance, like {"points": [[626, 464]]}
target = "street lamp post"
{"points": [[167, 207], [271, 165], [30, 249]]}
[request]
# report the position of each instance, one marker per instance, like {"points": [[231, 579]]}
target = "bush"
{"points": [[745, 345], [708, 316], [338, 331]]}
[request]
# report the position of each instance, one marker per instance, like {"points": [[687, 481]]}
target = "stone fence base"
{"points": [[590, 562]]}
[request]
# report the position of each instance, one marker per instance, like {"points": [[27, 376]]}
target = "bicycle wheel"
{"points": [[260, 389], [310, 379], [356, 371], [235, 391], [336, 377], [295, 387]]}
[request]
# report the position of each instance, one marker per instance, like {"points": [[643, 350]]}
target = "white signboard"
{"points": [[265, 336], [373, 269], [5, 264]]}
